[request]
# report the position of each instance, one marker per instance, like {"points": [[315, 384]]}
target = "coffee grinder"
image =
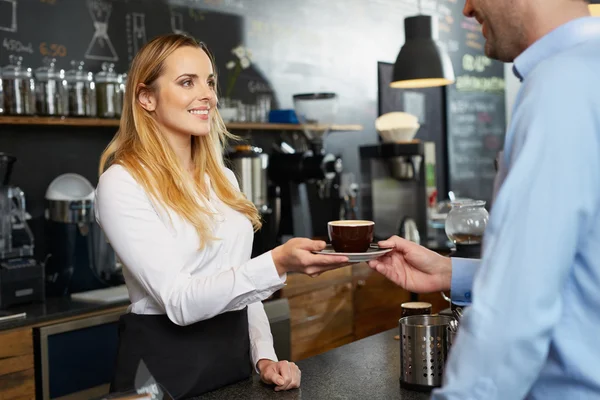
{"points": [[80, 257], [21, 276], [308, 181], [394, 188]]}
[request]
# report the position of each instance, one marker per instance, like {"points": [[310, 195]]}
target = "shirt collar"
{"points": [[565, 36]]}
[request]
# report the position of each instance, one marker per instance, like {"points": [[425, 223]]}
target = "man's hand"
{"points": [[413, 267], [284, 375]]}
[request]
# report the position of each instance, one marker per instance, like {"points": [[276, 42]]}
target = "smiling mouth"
{"points": [[199, 112]]}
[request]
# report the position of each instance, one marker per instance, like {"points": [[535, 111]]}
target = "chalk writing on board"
{"points": [[16, 46], [177, 22], [196, 15], [477, 63], [53, 49], [135, 23], [8, 15], [100, 48], [468, 83], [258, 87]]}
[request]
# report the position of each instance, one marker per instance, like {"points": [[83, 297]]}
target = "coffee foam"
{"points": [[416, 304], [351, 223]]}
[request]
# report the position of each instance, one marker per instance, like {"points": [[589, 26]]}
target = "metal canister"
{"points": [[107, 82], [1, 95], [82, 91], [250, 166], [18, 87], [51, 94], [423, 350], [122, 83]]}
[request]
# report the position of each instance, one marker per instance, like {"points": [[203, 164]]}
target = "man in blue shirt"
{"points": [[533, 327]]}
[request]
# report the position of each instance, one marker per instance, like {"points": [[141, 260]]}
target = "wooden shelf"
{"points": [[289, 127], [69, 121]]}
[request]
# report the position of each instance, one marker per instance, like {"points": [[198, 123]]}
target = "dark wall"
{"points": [[298, 46]]}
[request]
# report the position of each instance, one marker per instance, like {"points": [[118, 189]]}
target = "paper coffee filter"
{"points": [[395, 120]]}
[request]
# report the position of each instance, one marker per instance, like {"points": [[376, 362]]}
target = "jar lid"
{"points": [[107, 74], [78, 74], [14, 69], [122, 78], [48, 72], [246, 150]]}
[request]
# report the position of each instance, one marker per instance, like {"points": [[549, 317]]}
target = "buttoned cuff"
{"points": [[263, 274], [463, 272], [262, 350]]}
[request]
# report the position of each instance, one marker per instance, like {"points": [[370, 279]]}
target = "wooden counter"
{"points": [[342, 306]]}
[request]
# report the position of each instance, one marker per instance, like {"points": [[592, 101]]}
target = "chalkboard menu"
{"points": [[474, 122], [476, 115]]}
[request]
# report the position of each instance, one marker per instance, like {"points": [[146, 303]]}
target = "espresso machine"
{"points": [[21, 276], [394, 188], [308, 180]]}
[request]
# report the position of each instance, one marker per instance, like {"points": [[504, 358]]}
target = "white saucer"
{"points": [[372, 253]]}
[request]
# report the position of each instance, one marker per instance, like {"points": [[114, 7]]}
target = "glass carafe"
{"points": [[466, 222]]}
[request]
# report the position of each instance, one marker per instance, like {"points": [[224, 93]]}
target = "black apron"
{"points": [[186, 360]]}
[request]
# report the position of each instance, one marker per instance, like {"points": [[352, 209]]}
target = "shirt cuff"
{"points": [[262, 350], [463, 272], [263, 274]]}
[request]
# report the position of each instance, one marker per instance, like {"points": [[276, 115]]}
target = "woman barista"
{"points": [[183, 231]]}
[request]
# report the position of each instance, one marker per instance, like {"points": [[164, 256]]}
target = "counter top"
{"points": [[53, 308], [365, 369]]}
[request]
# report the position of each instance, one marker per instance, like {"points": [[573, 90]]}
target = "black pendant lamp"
{"points": [[422, 62]]}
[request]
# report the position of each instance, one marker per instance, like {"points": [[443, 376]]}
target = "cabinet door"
{"points": [[376, 302], [321, 320], [17, 378]]}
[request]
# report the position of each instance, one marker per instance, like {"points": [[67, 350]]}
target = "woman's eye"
{"points": [[212, 83], [187, 83]]}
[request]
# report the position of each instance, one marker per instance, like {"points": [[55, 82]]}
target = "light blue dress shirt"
{"points": [[533, 328]]}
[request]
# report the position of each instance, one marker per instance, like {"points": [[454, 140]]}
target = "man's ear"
{"points": [[146, 97]]}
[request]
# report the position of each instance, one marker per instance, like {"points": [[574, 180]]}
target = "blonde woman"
{"points": [[177, 220]]}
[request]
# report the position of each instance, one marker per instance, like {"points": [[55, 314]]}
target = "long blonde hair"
{"points": [[141, 148]]}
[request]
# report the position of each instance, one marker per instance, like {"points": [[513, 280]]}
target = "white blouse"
{"points": [[166, 273]]}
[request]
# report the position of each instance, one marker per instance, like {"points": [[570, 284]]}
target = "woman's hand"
{"points": [[296, 256], [284, 375]]}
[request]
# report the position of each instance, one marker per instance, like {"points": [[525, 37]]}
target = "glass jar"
{"points": [[121, 84], [106, 91], [82, 91], [18, 88], [466, 222], [51, 95]]}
